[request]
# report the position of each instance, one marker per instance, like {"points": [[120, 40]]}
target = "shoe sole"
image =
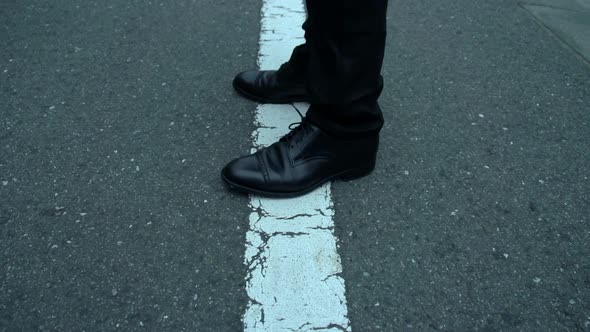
{"points": [[345, 176], [262, 100]]}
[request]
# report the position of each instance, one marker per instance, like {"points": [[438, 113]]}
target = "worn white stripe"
{"points": [[293, 278]]}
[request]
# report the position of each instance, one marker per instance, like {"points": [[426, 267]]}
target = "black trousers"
{"points": [[340, 64]]}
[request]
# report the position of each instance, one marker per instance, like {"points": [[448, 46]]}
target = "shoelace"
{"points": [[296, 128]]}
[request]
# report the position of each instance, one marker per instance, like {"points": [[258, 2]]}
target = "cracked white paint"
{"points": [[293, 280]]}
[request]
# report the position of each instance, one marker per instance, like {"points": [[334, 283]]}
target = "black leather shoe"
{"points": [[269, 87], [301, 161]]}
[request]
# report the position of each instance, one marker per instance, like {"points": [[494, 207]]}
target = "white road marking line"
{"points": [[293, 280]]}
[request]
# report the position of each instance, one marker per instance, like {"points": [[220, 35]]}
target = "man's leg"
{"points": [[345, 41]]}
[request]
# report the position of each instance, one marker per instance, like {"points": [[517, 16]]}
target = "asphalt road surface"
{"points": [[117, 116]]}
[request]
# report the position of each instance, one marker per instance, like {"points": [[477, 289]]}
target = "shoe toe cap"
{"points": [[244, 172], [246, 80]]}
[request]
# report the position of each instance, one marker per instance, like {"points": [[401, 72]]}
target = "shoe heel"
{"points": [[354, 174]]}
